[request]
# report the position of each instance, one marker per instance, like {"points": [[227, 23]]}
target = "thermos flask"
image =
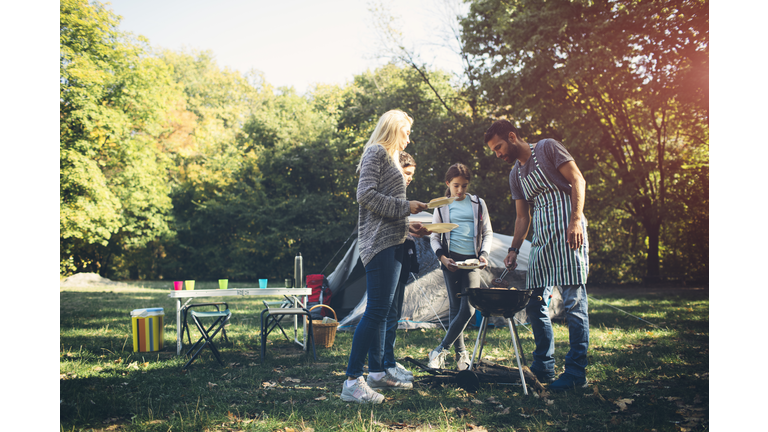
{"points": [[298, 272]]}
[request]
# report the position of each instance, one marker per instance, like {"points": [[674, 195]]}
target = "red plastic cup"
{"points": [[177, 285]]}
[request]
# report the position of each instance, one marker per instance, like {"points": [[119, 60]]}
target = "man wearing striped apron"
{"points": [[545, 176]]}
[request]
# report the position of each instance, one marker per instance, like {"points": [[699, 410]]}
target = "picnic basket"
{"points": [[325, 333]]}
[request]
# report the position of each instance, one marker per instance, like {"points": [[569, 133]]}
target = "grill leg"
{"points": [[517, 355], [482, 343], [519, 345], [480, 335]]}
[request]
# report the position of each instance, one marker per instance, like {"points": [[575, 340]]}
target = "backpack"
{"points": [[321, 294]]}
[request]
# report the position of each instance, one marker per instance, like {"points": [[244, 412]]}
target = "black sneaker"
{"points": [[567, 382], [542, 376]]}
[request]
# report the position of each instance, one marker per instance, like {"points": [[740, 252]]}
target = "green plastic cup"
{"points": [[223, 283]]}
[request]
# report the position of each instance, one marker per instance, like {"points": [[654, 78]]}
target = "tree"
{"points": [[623, 83], [113, 101]]}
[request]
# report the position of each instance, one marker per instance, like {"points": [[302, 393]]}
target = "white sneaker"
{"points": [[389, 382], [360, 392], [399, 374], [437, 358], [463, 361], [403, 370]]}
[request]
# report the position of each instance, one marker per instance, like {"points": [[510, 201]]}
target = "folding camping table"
{"points": [[261, 292]]}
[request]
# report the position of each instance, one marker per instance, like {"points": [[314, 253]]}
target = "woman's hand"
{"points": [[417, 206], [417, 229], [449, 263], [483, 262]]}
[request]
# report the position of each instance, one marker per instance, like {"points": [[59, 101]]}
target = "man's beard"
{"points": [[513, 153]]}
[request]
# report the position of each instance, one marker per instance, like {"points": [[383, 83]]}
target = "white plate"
{"points": [[440, 227], [439, 202], [470, 264]]}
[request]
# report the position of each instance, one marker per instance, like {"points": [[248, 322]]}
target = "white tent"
{"points": [[425, 302]]}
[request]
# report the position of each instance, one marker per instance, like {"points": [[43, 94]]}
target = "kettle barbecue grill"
{"points": [[498, 302]]}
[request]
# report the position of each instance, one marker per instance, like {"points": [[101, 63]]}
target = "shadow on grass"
{"points": [[663, 370]]}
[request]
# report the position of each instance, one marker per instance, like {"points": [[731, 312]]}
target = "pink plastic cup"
{"points": [[177, 285]]}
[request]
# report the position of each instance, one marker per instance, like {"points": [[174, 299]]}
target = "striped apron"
{"points": [[551, 261]]}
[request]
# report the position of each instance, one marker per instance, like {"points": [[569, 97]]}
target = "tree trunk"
{"points": [[653, 230]]}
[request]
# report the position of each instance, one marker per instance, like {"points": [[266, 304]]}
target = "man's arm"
{"points": [[575, 235], [522, 223]]}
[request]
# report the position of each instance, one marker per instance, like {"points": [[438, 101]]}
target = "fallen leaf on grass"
{"points": [[211, 385], [268, 384], [477, 402], [505, 411], [293, 380], [321, 398], [622, 403], [597, 394], [98, 369]]}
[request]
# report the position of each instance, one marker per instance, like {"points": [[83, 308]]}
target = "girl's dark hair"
{"points": [[456, 170]]}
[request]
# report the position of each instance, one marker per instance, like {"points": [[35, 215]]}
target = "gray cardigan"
{"points": [[383, 218]]}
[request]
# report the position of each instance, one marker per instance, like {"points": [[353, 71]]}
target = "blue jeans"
{"points": [[382, 275], [577, 317], [395, 312]]}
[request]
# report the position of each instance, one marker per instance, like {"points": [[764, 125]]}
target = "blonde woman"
{"points": [[382, 230]]}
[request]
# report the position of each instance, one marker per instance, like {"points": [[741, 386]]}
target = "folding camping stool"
{"points": [[185, 326], [271, 316], [221, 318]]}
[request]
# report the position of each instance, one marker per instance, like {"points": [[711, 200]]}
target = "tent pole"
{"points": [[415, 279], [342, 247]]}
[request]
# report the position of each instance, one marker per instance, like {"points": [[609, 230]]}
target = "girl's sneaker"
{"points": [[463, 360], [389, 382], [403, 370], [360, 392], [400, 374], [437, 358]]}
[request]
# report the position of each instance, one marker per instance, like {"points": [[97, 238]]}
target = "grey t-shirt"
{"points": [[550, 154]]}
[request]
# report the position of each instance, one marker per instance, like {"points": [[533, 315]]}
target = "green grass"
{"points": [[642, 377]]}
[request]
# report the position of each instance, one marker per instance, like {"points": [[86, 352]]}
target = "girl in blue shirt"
{"points": [[471, 240]]}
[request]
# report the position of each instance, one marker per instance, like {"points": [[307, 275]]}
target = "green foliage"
{"points": [[623, 84], [113, 98], [173, 167]]}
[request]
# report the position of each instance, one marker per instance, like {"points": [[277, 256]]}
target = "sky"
{"points": [[293, 42]]}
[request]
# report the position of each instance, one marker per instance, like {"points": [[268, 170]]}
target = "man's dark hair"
{"points": [[502, 128], [406, 160]]}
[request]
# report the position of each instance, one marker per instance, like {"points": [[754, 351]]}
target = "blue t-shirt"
{"points": [[463, 237]]}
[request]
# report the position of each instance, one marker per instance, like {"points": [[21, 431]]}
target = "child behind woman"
{"points": [[472, 239]]}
